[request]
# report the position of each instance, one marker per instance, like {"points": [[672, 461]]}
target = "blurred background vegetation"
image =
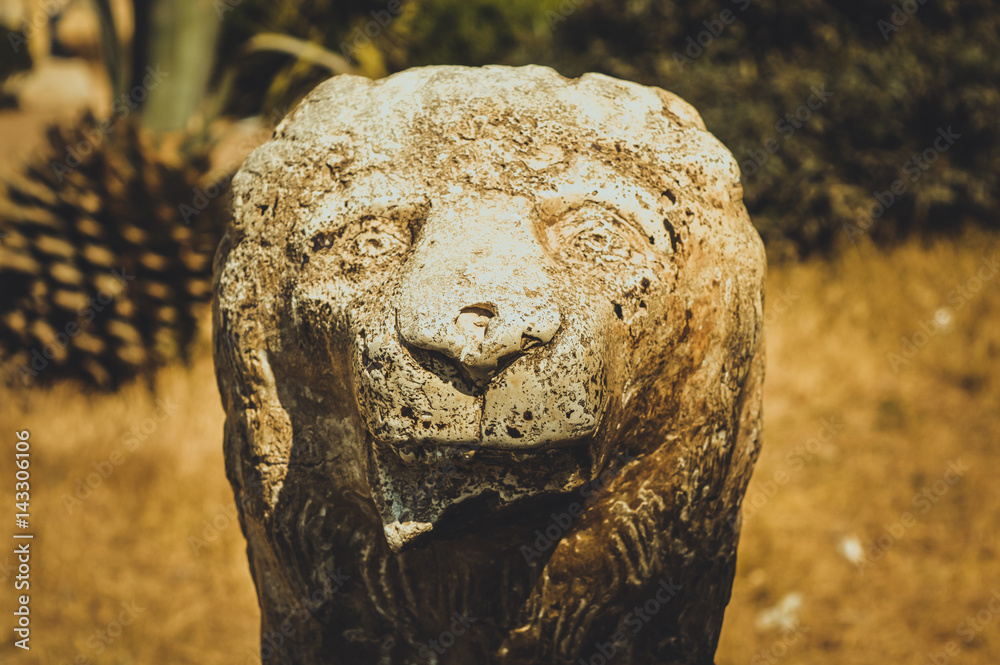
{"points": [[894, 81]]}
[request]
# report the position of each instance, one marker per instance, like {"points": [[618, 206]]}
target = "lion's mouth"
{"points": [[419, 488]]}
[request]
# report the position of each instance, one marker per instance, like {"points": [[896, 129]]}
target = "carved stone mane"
{"points": [[489, 343]]}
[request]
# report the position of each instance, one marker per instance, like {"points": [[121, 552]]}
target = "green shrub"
{"points": [[893, 89]]}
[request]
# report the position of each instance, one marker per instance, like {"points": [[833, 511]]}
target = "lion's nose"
{"points": [[482, 338], [477, 288]]}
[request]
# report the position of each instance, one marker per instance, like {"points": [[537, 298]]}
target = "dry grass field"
{"points": [[870, 534]]}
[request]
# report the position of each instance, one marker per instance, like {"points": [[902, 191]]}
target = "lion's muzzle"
{"points": [[485, 348]]}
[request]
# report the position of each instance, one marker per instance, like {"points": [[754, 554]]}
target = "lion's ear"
{"points": [[679, 111]]}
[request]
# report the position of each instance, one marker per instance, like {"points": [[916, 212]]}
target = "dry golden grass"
{"points": [[827, 358], [130, 540]]}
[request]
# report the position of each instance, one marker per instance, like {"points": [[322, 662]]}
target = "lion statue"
{"points": [[489, 343]]}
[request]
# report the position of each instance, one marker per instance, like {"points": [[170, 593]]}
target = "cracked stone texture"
{"points": [[489, 342]]}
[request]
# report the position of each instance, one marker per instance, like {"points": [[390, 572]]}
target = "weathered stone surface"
{"points": [[490, 343]]}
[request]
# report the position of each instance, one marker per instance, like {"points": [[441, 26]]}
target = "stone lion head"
{"points": [[451, 298]]}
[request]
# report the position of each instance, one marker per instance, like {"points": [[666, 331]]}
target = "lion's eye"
{"points": [[608, 245], [366, 240], [376, 242], [592, 233]]}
